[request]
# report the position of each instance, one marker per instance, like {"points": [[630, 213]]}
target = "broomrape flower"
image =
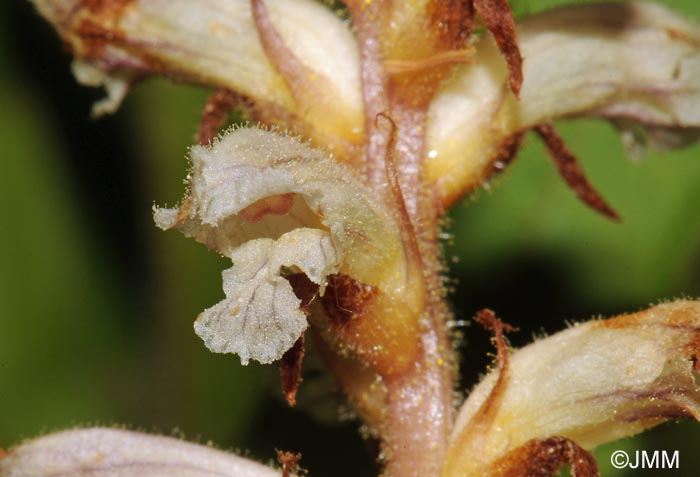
{"points": [[371, 123]]}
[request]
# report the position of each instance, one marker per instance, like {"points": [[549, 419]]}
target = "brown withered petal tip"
{"points": [[488, 319], [571, 171], [215, 113], [290, 370], [346, 298], [453, 21], [499, 20], [303, 288], [289, 462]]}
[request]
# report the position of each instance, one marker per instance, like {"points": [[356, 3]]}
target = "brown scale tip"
{"points": [[498, 18], [488, 319], [215, 114], [572, 172], [289, 462], [290, 371]]}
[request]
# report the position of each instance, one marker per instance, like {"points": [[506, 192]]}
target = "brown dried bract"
{"points": [[543, 458], [572, 172], [346, 298], [482, 422], [215, 113], [488, 319], [498, 18], [290, 370], [452, 20], [3, 453], [303, 288], [290, 365], [289, 462]]}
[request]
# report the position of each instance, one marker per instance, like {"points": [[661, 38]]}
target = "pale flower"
{"points": [[271, 204]]}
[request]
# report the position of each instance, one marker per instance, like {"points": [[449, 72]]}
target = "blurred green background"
{"points": [[96, 305]]}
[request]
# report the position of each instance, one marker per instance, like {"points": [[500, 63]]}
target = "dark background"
{"points": [[96, 305]]}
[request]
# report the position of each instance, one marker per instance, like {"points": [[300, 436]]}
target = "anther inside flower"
{"points": [[329, 210]]}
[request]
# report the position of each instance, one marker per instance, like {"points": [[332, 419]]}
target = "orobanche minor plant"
{"points": [[369, 119]]}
